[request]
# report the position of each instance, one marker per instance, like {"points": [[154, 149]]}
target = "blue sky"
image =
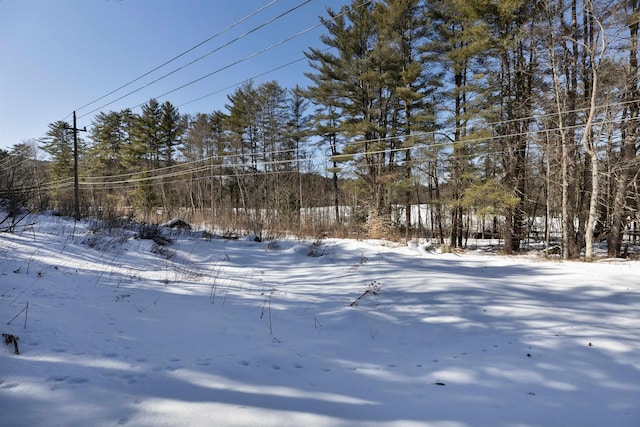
{"points": [[58, 55]]}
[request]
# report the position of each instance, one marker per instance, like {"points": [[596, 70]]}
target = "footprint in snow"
{"points": [[243, 363], [132, 378]]}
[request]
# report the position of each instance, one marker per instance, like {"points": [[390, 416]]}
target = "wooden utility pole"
{"points": [[76, 190]]}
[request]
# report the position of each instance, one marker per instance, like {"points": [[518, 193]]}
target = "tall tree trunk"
{"points": [[587, 137], [589, 147], [631, 134], [565, 104]]}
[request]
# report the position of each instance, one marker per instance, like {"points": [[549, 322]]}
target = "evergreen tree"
{"points": [[326, 125], [372, 82], [458, 44], [513, 83], [145, 150], [110, 133], [296, 137], [242, 125], [243, 149], [401, 33], [204, 137], [344, 82], [171, 129], [143, 195], [272, 119], [204, 143], [297, 129], [58, 144], [271, 124]]}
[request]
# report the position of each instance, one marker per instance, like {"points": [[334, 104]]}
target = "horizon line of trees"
{"points": [[504, 108]]}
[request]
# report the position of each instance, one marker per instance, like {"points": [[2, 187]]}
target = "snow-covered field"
{"points": [[119, 331]]}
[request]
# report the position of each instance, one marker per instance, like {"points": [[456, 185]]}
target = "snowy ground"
{"points": [[202, 332]]}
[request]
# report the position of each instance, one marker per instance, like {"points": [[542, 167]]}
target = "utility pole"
{"points": [[76, 190]]}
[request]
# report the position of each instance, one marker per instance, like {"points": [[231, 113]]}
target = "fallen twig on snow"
{"points": [[373, 288]]}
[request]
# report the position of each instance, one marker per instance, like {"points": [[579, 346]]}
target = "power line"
{"points": [[224, 30], [246, 58], [433, 134], [271, 21], [208, 166], [107, 183], [254, 54], [489, 139], [10, 157], [244, 81]]}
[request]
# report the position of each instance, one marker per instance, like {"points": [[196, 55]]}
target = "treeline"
{"points": [[501, 109]]}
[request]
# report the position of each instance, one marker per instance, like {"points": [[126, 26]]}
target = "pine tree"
{"points": [[145, 150], [58, 144], [171, 129], [242, 125], [275, 156], [401, 33], [513, 83], [110, 133], [294, 152], [372, 82], [458, 42], [344, 82], [271, 108], [202, 138]]}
